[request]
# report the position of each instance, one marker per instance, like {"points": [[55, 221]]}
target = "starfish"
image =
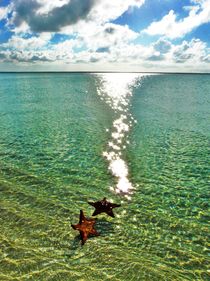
{"points": [[85, 227], [103, 206]]}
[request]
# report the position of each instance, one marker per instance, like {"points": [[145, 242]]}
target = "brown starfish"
{"points": [[103, 206], [85, 227]]}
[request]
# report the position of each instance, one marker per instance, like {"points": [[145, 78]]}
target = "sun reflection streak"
{"points": [[116, 90]]}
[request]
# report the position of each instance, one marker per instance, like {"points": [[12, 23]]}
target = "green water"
{"points": [[53, 131]]}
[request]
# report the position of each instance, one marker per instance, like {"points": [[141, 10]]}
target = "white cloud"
{"points": [[66, 46], [172, 28], [105, 36], [191, 52], [48, 5], [187, 56], [162, 45], [131, 52], [102, 11], [23, 57], [105, 10], [53, 16], [24, 44], [206, 58], [22, 28], [3, 12], [35, 13], [97, 42]]}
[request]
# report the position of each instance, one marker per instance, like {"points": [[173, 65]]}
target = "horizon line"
{"points": [[87, 72]]}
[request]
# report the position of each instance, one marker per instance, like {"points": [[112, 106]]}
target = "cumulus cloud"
{"points": [[37, 49], [47, 5], [18, 56], [106, 10], [162, 45], [193, 51], [155, 57], [94, 40], [33, 43], [32, 57], [104, 36], [52, 16], [172, 28], [130, 53], [2, 56], [67, 14], [192, 55], [206, 58], [3, 12], [103, 50]]}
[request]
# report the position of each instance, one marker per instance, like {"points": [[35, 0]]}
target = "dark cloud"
{"points": [[109, 30], [57, 18], [35, 58], [162, 46], [206, 59], [3, 56], [181, 57], [183, 53], [93, 59], [103, 50], [156, 58]]}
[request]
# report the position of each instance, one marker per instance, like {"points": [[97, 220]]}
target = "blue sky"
{"points": [[91, 35]]}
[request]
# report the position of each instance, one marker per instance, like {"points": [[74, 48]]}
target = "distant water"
{"points": [[139, 140]]}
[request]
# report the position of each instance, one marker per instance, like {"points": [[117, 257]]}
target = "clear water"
{"points": [[142, 140]]}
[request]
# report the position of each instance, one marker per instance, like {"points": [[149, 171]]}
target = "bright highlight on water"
{"points": [[116, 90]]}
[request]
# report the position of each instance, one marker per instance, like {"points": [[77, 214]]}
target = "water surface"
{"points": [[139, 140]]}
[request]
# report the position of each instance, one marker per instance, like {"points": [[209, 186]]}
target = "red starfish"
{"points": [[104, 206], [85, 227]]}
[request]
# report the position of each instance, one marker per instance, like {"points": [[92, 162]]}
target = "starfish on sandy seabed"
{"points": [[85, 227], [104, 206]]}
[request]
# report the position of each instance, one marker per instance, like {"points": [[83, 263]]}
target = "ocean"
{"points": [[140, 140]]}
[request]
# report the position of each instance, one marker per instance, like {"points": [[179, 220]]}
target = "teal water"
{"points": [[139, 140]]}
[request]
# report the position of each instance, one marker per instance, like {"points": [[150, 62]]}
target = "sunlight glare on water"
{"points": [[116, 90]]}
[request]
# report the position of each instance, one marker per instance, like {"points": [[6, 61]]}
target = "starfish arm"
{"points": [[74, 226], [110, 213], [91, 203], [83, 236], [94, 232], [96, 212], [115, 205], [95, 204], [92, 222], [81, 217]]}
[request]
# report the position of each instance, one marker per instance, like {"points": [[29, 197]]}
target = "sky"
{"points": [[105, 35]]}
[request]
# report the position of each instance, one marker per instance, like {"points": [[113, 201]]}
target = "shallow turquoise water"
{"points": [[54, 130]]}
